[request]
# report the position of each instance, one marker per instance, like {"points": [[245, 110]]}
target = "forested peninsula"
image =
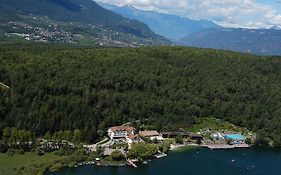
{"points": [[46, 89]]}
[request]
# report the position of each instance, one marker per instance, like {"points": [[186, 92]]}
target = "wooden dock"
{"points": [[132, 163], [158, 156]]}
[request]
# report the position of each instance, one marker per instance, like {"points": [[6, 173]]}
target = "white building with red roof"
{"points": [[125, 133], [152, 135], [119, 132], [131, 139]]}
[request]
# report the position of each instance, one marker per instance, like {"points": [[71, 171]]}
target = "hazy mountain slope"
{"points": [[259, 41], [170, 26], [82, 12], [7, 14]]}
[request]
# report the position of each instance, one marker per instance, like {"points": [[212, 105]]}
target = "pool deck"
{"points": [[235, 137], [226, 146]]}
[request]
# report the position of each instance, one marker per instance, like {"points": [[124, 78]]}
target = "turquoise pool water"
{"points": [[235, 137]]}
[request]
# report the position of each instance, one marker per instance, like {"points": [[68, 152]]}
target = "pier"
{"points": [[158, 156], [132, 163]]}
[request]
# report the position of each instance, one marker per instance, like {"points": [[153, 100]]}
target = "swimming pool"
{"points": [[234, 137]]}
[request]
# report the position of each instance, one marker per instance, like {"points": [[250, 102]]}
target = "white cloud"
{"points": [[230, 13]]}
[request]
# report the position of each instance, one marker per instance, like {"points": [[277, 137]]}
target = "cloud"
{"points": [[230, 13]]}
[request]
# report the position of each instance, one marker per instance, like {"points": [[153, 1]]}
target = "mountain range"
{"points": [[258, 41], [85, 22], [171, 26], [74, 21], [205, 33]]}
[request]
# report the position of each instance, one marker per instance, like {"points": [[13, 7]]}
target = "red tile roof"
{"points": [[131, 136], [148, 133], [122, 128]]}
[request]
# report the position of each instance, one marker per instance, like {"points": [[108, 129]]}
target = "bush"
{"points": [[56, 167], [142, 151], [117, 156], [165, 146], [80, 152], [3, 147], [248, 141], [71, 164], [179, 139], [120, 145]]}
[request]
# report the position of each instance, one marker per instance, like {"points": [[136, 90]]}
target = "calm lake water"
{"points": [[196, 162]]}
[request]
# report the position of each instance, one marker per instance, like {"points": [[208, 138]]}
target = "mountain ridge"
{"points": [[258, 41], [168, 25], [82, 12]]}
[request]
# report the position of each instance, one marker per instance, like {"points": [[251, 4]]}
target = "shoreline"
{"points": [[225, 146], [240, 159], [125, 164], [180, 146], [173, 149], [211, 147], [102, 164]]}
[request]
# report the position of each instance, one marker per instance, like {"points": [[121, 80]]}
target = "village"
{"points": [[123, 139], [125, 145], [51, 31], [41, 34], [128, 145]]}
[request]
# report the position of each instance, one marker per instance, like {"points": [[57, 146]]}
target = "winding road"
{"points": [[5, 86]]}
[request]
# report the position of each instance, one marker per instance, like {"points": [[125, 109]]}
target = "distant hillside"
{"points": [[259, 41], [170, 26], [74, 17]]}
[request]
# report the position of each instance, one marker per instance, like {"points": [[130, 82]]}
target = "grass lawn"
{"points": [[27, 164], [215, 125]]}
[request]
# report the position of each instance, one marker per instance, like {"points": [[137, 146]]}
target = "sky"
{"points": [[228, 13]]}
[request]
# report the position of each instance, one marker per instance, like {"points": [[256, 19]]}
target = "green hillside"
{"points": [[73, 21], [63, 88]]}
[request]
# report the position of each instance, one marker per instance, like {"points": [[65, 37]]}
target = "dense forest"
{"points": [[55, 87]]}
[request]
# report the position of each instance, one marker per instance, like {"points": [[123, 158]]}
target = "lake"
{"points": [[196, 162]]}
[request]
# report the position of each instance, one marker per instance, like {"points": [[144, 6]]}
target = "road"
{"points": [[5, 86]]}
